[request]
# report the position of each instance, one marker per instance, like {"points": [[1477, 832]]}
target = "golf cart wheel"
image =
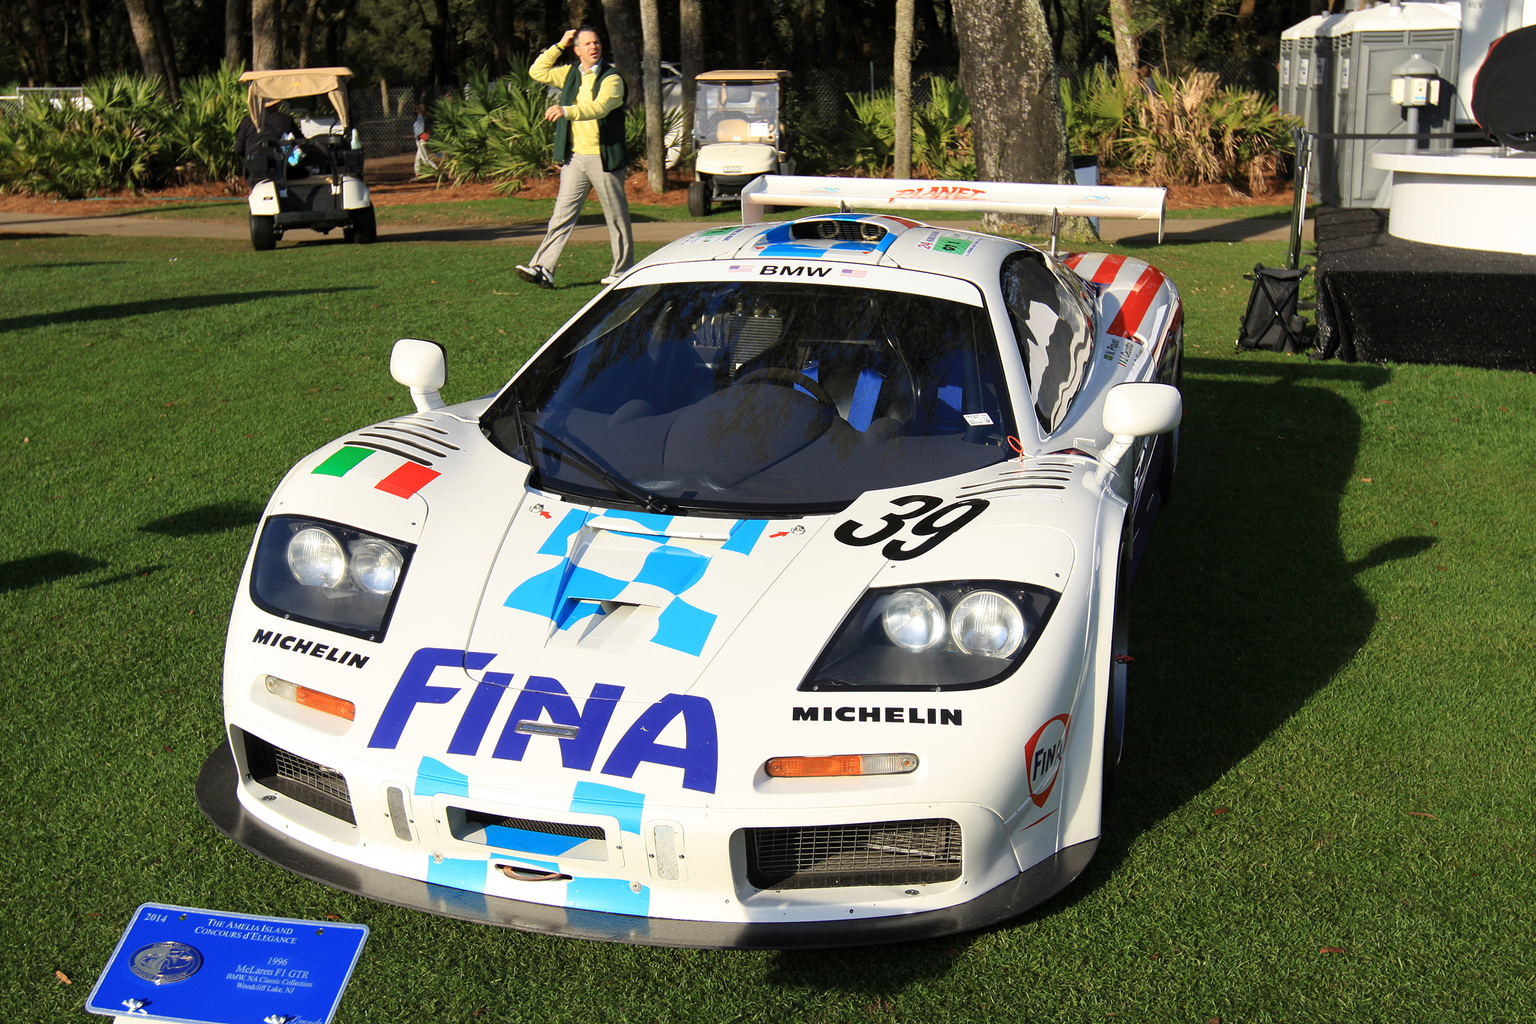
{"points": [[699, 199], [364, 227], [263, 232]]}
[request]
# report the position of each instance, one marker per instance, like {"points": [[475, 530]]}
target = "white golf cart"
{"points": [[310, 178], [738, 134]]}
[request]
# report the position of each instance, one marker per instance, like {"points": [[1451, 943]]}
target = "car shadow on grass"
{"points": [[50, 567], [1246, 605], [120, 310], [213, 518], [1244, 608]]}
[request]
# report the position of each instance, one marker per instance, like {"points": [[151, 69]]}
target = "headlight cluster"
{"points": [[943, 636], [328, 575]]}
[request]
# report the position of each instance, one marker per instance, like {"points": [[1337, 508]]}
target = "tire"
{"points": [[365, 227], [699, 198], [1119, 668], [1169, 470], [263, 232]]}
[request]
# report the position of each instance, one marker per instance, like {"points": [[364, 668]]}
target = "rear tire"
{"points": [[365, 226], [263, 232], [699, 198], [1119, 668]]}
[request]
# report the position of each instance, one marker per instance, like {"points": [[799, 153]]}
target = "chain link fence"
{"points": [[10, 105], [383, 117]]}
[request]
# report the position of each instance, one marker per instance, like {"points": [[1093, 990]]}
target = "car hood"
{"points": [[522, 588], [648, 601]]}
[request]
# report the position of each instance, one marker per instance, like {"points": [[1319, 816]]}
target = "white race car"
{"points": [[778, 601]]}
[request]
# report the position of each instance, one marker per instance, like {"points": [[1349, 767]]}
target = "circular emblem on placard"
{"points": [[165, 963]]}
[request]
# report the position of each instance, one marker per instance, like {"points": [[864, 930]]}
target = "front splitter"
{"points": [[217, 786]]}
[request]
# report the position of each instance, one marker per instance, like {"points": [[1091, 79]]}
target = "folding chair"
{"points": [[1271, 321]]}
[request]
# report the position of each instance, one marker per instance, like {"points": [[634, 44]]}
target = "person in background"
{"points": [[425, 164], [277, 126], [589, 146]]}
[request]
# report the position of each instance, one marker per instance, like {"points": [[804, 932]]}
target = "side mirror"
{"points": [[422, 367], [1139, 410]]}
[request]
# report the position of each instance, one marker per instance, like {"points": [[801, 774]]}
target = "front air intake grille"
{"points": [[548, 828], [836, 856], [312, 784]]}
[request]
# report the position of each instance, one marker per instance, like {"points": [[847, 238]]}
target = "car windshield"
{"points": [[736, 111], [768, 398]]}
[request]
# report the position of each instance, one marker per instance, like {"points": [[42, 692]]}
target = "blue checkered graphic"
{"points": [[657, 572]]}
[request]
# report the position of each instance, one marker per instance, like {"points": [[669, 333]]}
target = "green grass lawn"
{"points": [[512, 210], [1326, 811]]}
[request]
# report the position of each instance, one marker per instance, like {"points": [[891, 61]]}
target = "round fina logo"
{"points": [[1043, 753], [165, 963]]}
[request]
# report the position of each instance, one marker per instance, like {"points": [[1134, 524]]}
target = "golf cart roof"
{"points": [[269, 86], [748, 75]]}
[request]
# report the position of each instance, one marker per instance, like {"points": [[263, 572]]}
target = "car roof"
{"points": [[849, 240]]}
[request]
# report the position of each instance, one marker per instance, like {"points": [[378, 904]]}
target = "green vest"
{"points": [[610, 130]]}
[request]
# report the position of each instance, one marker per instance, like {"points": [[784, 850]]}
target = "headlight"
{"points": [[330, 575], [944, 636], [913, 619], [987, 623], [376, 565], [316, 558]]}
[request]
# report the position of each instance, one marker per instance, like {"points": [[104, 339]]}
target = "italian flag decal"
{"points": [[403, 481]]}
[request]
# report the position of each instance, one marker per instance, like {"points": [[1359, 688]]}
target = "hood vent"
{"points": [[1050, 477], [415, 438]]}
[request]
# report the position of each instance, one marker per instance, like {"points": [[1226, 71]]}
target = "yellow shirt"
{"points": [[583, 114]]}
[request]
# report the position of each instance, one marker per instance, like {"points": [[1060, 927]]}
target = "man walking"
{"points": [[589, 146]]}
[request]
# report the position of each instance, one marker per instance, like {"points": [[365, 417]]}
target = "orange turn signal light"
{"points": [[840, 765], [315, 699]]}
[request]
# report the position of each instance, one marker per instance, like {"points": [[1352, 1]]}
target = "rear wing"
{"points": [[979, 196]]}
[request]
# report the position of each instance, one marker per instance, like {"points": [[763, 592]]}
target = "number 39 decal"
{"points": [[928, 517]]}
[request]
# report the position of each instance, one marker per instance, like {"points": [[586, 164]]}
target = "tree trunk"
{"points": [[266, 50], [167, 43], [1122, 21], [691, 31], [145, 37], [234, 32], [91, 55], [655, 137], [1016, 123], [439, 30], [42, 66], [307, 32], [827, 48], [744, 35], [624, 52], [901, 78]]}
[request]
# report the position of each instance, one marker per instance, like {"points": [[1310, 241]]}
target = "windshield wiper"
{"points": [[647, 500]]}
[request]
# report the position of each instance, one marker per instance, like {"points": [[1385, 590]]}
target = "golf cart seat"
{"points": [[733, 129]]}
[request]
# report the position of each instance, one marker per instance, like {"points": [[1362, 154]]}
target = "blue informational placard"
{"points": [[204, 967]]}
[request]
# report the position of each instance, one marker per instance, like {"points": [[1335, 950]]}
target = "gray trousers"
{"points": [[580, 175]]}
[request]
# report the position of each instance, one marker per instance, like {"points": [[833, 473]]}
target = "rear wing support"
{"points": [[880, 194]]}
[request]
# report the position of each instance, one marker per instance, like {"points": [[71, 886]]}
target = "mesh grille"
{"points": [[751, 335], [873, 853], [324, 789], [548, 828], [838, 230]]}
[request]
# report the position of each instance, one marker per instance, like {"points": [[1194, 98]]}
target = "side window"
{"points": [[1053, 335]]}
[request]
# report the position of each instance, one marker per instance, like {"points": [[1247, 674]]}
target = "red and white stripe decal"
{"points": [[1134, 309]]}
